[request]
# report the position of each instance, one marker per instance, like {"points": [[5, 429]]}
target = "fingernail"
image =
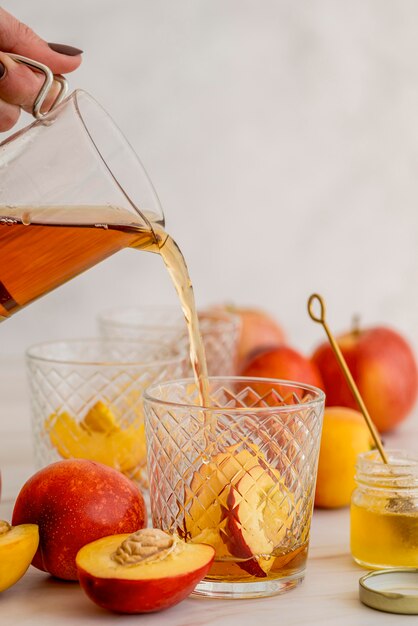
{"points": [[2, 70], [62, 48]]}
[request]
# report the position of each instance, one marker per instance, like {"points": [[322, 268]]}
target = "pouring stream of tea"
{"points": [[177, 268]]}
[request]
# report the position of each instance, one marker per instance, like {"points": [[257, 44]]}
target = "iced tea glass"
{"points": [[219, 330], [86, 399], [239, 475]]}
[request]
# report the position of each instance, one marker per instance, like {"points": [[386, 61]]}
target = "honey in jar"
{"points": [[384, 511]]}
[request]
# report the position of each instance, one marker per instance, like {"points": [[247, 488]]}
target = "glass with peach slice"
{"points": [[86, 399], [238, 475]]}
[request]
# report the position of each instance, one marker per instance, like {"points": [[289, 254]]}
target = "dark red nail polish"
{"points": [[2, 70], [62, 48]]}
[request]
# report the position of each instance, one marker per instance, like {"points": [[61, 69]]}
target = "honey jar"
{"points": [[384, 511]]}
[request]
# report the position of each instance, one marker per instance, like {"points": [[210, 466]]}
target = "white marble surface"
{"points": [[282, 139], [328, 595]]}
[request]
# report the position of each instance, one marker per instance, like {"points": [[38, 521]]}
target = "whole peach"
{"points": [[384, 368], [258, 330], [285, 363], [344, 436], [75, 502]]}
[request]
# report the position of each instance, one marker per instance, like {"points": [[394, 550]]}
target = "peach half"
{"points": [[147, 571], [18, 545], [259, 512]]}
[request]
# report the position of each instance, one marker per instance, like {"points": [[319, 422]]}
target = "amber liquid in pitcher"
{"points": [[40, 250]]}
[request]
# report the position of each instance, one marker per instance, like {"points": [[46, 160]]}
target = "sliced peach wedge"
{"points": [[259, 508], [147, 571], [18, 545], [98, 437], [210, 486], [241, 506]]}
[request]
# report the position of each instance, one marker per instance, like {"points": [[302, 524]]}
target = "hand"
{"points": [[19, 85]]}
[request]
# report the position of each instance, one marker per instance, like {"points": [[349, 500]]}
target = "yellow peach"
{"points": [[18, 545], [210, 487], [259, 513], [344, 436], [98, 437]]}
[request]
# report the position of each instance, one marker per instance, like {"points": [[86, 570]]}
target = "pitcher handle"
{"points": [[47, 84]]}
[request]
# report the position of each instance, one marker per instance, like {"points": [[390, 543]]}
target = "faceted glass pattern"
{"points": [[219, 330], [239, 475], [86, 399]]}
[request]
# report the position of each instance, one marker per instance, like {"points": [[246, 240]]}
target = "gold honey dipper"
{"points": [[321, 319]]}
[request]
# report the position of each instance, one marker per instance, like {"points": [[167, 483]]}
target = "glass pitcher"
{"points": [[72, 192]]}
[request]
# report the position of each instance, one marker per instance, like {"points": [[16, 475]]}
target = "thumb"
{"points": [[18, 38]]}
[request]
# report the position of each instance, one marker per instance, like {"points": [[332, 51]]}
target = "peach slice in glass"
{"points": [[259, 512], [98, 437], [210, 486]]}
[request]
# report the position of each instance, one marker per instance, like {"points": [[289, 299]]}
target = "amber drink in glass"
{"points": [[238, 474]]}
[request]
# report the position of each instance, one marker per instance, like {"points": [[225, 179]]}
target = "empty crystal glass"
{"points": [[219, 330], [239, 475]]}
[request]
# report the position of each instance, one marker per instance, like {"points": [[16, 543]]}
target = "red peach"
{"points": [[284, 363], [75, 502], [384, 368], [258, 330]]}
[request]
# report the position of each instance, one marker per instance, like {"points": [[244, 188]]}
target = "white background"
{"points": [[282, 138]]}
